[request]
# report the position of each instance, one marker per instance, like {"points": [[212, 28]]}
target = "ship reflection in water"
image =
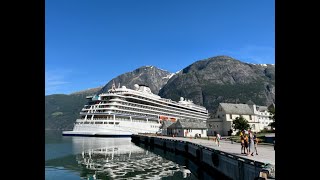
{"points": [[119, 158]]}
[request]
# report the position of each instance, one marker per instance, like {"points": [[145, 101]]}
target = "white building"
{"points": [[188, 128], [263, 116], [258, 118]]}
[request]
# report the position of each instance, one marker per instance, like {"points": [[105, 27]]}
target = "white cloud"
{"points": [[55, 81]]}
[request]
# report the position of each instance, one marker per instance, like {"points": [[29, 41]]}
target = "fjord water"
{"points": [[71, 158]]}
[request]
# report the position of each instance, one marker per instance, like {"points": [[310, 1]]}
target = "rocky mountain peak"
{"points": [[151, 76], [222, 79]]}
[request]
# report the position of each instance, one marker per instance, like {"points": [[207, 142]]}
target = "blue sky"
{"points": [[89, 42]]}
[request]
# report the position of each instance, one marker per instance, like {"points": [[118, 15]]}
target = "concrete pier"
{"points": [[227, 158]]}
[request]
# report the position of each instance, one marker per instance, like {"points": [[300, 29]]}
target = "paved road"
{"points": [[266, 152]]}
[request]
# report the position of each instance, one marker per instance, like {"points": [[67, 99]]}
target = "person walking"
{"points": [[218, 139], [255, 140], [246, 143], [242, 143], [251, 143]]}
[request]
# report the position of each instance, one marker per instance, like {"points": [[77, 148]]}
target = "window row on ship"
{"points": [[123, 113], [133, 115], [154, 108], [172, 105], [112, 123], [97, 122], [120, 118], [165, 108], [151, 108], [156, 102], [147, 111], [144, 113]]}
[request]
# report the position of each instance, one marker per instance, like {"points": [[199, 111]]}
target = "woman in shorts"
{"points": [[242, 143]]}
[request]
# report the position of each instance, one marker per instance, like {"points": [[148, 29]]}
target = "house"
{"points": [[215, 125], [164, 126], [263, 117], [188, 128], [258, 118]]}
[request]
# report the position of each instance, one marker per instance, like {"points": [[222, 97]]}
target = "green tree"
{"points": [[241, 123]]}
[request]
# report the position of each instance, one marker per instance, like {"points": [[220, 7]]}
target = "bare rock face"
{"points": [[223, 79], [151, 76]]}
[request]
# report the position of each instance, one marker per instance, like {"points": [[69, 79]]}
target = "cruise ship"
{"points": [[123, 112]]}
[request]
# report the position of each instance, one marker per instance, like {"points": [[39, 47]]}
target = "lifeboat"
{"points": [[163, 117], [166, 118], [173, 119]]}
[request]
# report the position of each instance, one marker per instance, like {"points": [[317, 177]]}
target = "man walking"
{"points": [[218, 139]]}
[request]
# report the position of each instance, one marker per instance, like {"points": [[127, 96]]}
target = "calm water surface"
{"points": [[71, 158]]}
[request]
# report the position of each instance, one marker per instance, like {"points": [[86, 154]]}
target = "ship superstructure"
{"points": [[123, 112]]}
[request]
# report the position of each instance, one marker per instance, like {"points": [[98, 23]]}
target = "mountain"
{"points": [[90, 91], [151, 76], [207, 82], [62, 110], [222, 79]]}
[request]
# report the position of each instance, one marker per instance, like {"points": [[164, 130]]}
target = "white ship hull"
{"points": [[124, 129]]}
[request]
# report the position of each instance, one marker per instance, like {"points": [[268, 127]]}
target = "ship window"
{"points": [[110, 122], [117, 123], [105, 122]]}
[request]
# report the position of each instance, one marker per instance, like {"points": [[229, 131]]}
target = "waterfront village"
{"points": [[258, 119], [242, 160]]}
